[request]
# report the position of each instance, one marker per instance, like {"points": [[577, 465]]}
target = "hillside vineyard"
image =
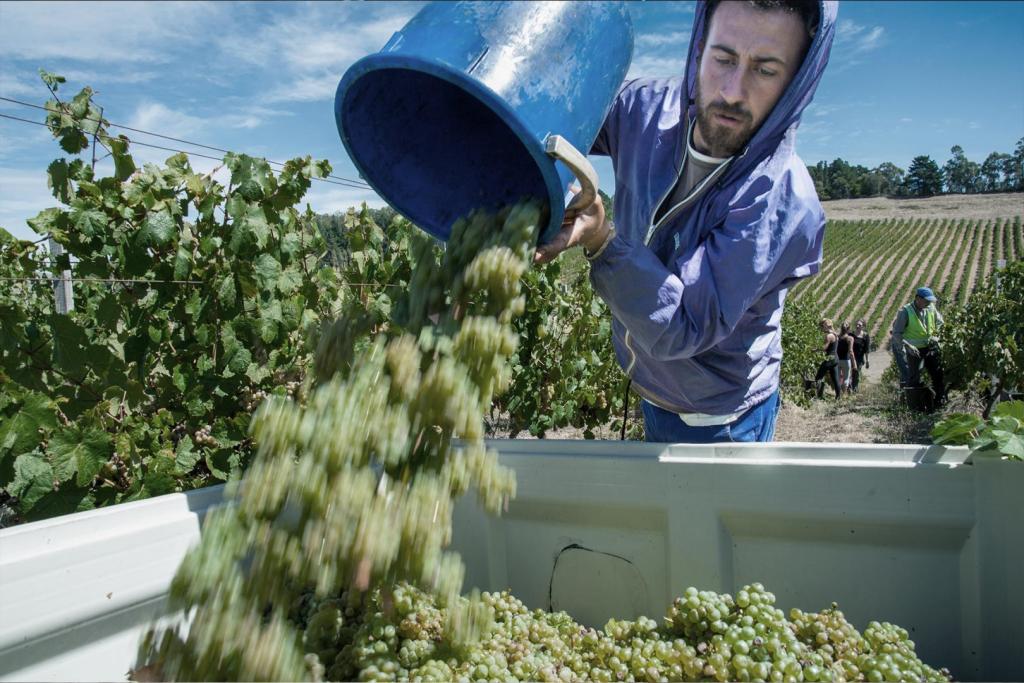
{"points": [[871, 267]]}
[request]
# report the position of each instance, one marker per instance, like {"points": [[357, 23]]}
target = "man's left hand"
{"points": [[587, 227]]}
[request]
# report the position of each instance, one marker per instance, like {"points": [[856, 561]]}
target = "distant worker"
{"points": [[861, 350], [830, 366], [915, 342], [847, 362]]}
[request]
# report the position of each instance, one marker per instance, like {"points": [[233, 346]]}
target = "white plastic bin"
{"points": [[912, 535]]}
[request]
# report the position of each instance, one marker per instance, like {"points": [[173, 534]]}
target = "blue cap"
{"points": [[926, 293]]}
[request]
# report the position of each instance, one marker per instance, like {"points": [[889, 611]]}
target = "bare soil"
{"points": [[998, 205], [864, 417]]}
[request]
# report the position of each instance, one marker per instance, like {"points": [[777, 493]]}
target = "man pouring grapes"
{"points": [[716, 218]]}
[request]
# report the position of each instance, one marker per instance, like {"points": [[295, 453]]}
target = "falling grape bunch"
{"points": [[330, 563]]}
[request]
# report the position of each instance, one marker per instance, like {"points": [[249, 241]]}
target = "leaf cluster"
{"points": [[192, 302], [566, 373], [1002, 435], [801, 344], [983, 340]]}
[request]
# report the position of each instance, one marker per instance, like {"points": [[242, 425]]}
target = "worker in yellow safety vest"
{"points": [[915, 342]]}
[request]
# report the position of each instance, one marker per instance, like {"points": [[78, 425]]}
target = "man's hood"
{"points": [[785, 117]]}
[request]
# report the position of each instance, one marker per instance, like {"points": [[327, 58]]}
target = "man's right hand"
{"points": [[913, 352], [587, 227]]}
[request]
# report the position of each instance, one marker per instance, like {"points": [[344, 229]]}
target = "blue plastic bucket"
{"points": [[460, 108]]}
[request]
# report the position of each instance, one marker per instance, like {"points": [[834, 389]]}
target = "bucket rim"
{"points": [[457, 77]]}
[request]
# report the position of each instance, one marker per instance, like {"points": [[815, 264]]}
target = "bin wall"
{"points": [[902, 534]]}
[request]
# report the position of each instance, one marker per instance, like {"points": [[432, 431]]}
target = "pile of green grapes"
{"points": [[331, 563], [403, 634]]}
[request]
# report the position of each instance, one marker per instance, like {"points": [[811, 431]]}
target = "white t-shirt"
{"points": [[696, 167]]}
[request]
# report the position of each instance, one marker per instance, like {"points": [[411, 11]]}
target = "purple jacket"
{"points": [[697, 310]]}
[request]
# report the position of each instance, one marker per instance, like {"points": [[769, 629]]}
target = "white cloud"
{"points": [[99, 79], [855, 38], [872, 40], [305, 89], [12, 86], [328, 198], [108, 32], [677, 39], [311, 47], [906, 119], [682, 7], [814, 132], [657, 65], [25, 195], [156, 117], [819, 110], [159, 118], [17, 137]]}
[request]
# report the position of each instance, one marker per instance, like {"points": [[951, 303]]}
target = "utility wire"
{"points": [[171, 149], [357, 184], [101, 279], [378, 285]]}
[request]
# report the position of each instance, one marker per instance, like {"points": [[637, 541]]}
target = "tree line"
{"points": [[1000, 172]]}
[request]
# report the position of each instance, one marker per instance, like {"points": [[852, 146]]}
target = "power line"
{"points": [[356, 184], [379, 285], [134, 142], [102, 279], [182, 151]]}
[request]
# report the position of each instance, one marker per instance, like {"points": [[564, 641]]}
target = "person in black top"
{"points": [[861, 349], [830, 366], [844, 352]]}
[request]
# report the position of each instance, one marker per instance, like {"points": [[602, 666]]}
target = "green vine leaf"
{"points": [[58, 179], [51, 79], [33, 479], [80, 451], [157, 229], [124, 165]]}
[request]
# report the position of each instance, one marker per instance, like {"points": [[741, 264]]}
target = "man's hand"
{"points": [[586, 226], [913, 352]]}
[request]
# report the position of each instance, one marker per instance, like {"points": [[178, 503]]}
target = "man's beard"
{"points": [[721, 140]]}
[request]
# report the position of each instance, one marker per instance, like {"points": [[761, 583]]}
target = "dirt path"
{"points": [[865, 417]]}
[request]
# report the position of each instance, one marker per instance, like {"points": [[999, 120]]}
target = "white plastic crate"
{"points": [[906, 534]]}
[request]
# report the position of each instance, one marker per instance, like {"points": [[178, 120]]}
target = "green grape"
{"points": [[352, 491]]}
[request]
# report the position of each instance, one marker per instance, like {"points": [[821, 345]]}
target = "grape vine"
{"points": [[983, 340], [192, 302]]}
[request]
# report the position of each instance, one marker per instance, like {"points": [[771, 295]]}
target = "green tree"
{"points": [[819, 174], [384, 216], [891, 175], [842, 180], [1013, 170], [961, 173], [924, 177], [992, 172]]}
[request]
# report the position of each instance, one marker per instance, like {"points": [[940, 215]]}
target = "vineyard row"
{"points": [[871, 267]]}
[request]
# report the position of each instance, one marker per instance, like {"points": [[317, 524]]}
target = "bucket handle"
{"points": [[561, 149]]}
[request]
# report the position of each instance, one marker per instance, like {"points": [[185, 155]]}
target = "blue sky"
{"points": [[905, 78]]}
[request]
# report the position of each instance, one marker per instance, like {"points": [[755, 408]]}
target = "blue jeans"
{"points": [[757, 424]]}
